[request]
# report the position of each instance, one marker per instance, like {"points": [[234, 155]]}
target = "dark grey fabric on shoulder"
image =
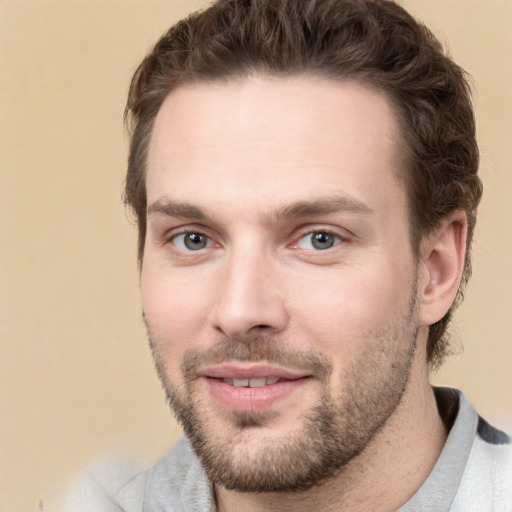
{"points": [[491, 434]]}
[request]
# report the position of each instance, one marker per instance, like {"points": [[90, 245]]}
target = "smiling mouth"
{"points": [[255, 394]]}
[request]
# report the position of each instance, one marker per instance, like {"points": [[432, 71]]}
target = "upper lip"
{"points": [[239, 370]]}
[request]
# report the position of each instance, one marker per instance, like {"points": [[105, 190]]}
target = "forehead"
{"points": [[274, 138]]}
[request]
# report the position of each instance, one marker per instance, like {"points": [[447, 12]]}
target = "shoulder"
{"points": [[178, 483], [474, 470], [119, 485], [97, 487], [487, 481]]}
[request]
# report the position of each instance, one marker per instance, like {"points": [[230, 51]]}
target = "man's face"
{"points": [[278, 281]]}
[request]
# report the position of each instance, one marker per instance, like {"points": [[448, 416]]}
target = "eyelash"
{"points": [[172, 239], [329, 232]]}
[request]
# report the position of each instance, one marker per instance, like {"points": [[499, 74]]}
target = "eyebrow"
{"points": [[296, 210], [323, 206], [174, 209]]}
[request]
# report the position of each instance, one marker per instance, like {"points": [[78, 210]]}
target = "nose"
{"points": [[250, 297]]}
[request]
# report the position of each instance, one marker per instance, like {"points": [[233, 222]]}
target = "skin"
{"points": [[231, 161]]}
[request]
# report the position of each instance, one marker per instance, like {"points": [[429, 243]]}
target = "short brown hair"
{"points": [[374, 42]]}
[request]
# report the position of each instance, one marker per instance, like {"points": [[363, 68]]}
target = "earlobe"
{"points": [[441, 267]]}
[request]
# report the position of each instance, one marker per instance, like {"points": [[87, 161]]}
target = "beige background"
{"points": [[76, 379]]}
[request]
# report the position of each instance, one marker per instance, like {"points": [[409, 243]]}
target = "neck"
{"points": [[404, 453]]}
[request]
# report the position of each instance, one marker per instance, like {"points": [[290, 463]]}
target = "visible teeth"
{"points": [[257, 383], [252, 383]]}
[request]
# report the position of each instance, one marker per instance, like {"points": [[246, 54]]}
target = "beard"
{"points": [[245, 457]]}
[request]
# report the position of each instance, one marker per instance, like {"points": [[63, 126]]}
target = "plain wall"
{"points": [[76, 377]]}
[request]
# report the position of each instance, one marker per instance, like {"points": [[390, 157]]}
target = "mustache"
{"points": [[256, 350]]}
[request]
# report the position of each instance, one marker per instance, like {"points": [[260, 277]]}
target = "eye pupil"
{"points": [[322, 240], [195, 241]]}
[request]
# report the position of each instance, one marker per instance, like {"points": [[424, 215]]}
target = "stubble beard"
{"points": [[333, 432]]}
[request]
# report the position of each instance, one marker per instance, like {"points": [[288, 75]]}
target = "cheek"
{"points": [[349, 308], [335, 297], [171, 295], [175, 309]]}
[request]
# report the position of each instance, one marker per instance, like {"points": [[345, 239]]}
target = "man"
{"points": [[304, 176]]}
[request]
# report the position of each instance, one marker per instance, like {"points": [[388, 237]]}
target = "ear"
{"points": [[442, 256]]}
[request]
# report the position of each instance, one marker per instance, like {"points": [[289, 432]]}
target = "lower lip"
{"points": [[245, 399]]}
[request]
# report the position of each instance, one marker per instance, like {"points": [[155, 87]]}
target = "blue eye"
{"points": [[319, 241], [191, 241]]}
